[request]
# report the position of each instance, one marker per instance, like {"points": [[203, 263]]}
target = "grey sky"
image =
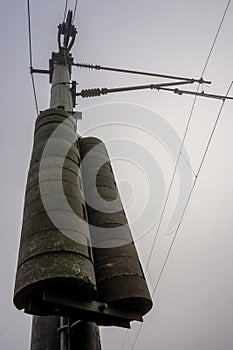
{"points": [[193, 304]]}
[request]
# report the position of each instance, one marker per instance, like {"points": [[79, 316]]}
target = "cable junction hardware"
{"points": [[129, 71], [96, 92], [104, 91], [195, 93]]}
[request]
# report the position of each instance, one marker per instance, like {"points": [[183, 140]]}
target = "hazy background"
{"points": [[193, 305]]}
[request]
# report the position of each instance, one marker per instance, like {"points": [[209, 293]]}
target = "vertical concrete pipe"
{"points": [[55, 248], [119, 275], [84, 336], [44, 333]]}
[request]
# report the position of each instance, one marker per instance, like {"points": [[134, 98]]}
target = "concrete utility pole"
{"points": [[71, 274], [74, 334], [44, 333]]}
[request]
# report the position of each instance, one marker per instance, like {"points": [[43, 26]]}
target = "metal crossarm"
{"points": [[104, 91], [129, 71]]}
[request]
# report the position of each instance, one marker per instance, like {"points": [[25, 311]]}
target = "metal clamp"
{"points": [[68, 30]]}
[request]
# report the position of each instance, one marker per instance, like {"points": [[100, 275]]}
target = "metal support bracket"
{"points": [[91, 311], [44, 71]]}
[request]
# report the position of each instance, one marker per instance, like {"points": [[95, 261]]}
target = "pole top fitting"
{"points": [[68, 31]]}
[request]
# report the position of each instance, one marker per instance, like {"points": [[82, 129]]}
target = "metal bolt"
{"points": [[103, 307]]}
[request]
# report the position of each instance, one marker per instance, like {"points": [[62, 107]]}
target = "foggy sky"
{"points": [[193, 304]]}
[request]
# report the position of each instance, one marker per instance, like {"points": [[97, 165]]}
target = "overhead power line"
{"points": [[104, 91], [75, 10], [136, 72], [175, 170], [186, 132], [187, 129], [185, 208], [65, 10], [31, 56], [34, 93], [29, 33], [198, 94], [216, 37], [193, 187], [96, 92]]}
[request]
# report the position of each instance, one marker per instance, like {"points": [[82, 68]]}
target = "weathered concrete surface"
{"points": [[119, 275], [54, 254], [44, 333]]}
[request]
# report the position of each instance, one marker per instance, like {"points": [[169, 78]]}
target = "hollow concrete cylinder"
{"points": [[119, 275], [55, 248]]}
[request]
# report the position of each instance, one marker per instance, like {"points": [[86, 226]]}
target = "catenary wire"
{"points": [[75, 9], [171, 183], [31, 56], [213, 131], [185, 134], [193, 187], [175, 170], [216, 36], [189, 165], [186, 205], [127, 333], [29, 33], [65, 10], [31, 60], [124, 340], [34, 93]]}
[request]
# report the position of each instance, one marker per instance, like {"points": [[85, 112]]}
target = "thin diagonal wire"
{"points": [[187, 204], [136, 338], [189, 165], [193, 187], [171, 184], [174, 173], [29, 33], [186, 132], [75, 8], [213, 130], [30, 55], [124, 340], [65, 11], [127, 333], [216, 36], [34, 93], [149, 275]]}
